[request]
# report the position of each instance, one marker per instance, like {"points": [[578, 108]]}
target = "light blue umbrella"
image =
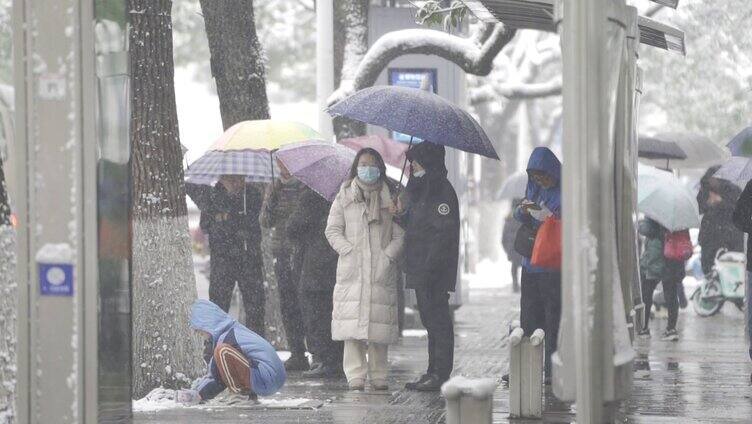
{"points": [[738, 170], [663, 198], [514, 187]]}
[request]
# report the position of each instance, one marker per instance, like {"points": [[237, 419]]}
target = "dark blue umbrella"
{"points": [[741, 144], [417, 113]]}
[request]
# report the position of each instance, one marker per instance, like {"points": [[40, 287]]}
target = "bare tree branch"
{"points": [[473, 58]]}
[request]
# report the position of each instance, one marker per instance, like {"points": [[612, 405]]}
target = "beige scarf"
{"points": [[371, 195]]}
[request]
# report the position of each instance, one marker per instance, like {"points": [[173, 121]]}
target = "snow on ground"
{"points": [[415, 332], [163, 399], [490, 274]]}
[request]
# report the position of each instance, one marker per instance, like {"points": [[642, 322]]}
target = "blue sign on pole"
{"points": [[56, 279]]}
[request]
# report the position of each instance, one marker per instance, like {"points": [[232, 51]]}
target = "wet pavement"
{"points": [[702, 378]]}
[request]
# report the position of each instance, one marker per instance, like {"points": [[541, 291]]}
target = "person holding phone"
{"points": [[540, 298]]}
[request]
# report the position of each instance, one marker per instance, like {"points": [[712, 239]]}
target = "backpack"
{"points": [[677, 246]]}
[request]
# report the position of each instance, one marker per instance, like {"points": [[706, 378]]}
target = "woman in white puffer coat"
{"points": [[361, 229]]}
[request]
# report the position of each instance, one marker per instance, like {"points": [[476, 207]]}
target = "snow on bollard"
{"points": [[526, 374], [469, 401]]}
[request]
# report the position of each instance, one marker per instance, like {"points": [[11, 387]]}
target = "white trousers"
{"points": [[363, 359]]}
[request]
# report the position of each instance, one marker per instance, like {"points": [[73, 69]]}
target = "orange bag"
{"points": [[547, 249]]}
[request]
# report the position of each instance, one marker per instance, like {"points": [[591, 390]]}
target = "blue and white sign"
{"points": [[56, 279], [412, 78], [55, 266]]}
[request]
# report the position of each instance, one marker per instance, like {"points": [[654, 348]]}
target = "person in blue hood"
{"points": [[241, 360], [540, 299]]}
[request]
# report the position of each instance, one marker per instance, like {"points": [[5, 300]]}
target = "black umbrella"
{"points": [[653, 148]]}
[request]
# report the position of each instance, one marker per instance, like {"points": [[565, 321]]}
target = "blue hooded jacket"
{"points": [[267, 370], [542, 160]]}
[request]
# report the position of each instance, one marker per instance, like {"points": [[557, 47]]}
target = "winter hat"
{"points": [[429, 155]]}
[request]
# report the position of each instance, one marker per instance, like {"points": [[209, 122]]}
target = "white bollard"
{"points": [[526, 374], [469, 401]]}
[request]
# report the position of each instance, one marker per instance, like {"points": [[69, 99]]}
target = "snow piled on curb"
{"points": [[490, 275]]}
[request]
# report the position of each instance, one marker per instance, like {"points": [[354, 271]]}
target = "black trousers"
{"points": [[317, 309], [246, 269], [669, 293], [287, 271], [540, 307], [433, 307]]}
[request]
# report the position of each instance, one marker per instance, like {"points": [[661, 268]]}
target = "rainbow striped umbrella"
{"points": [[246, 148]]}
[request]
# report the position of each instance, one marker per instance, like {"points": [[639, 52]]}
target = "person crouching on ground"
{"points": [[431, 218], [361, 229], [240, 361]]}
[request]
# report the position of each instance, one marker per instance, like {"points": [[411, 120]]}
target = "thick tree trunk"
{"points": [[165, 351], [237, 63], [351, 41], [236, 60], [8, 300]]}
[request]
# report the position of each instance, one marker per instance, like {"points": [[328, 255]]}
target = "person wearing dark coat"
{"points": [[540, 297], [280, 198], [656, 268], [229, 216], [717, 200], [432, 234], [742, 218], [508, 235], [305, 228]]}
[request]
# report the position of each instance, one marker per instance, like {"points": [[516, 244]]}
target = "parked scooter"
{"points": [[725, 283]]}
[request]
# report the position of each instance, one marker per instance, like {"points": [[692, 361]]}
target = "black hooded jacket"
{"points": [[717, 230], [431, 222]]}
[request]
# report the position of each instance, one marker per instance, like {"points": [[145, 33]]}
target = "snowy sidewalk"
{"points": [[702, 378]]}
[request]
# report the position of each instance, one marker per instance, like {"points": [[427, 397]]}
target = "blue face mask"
{"points": [[368, 174]]}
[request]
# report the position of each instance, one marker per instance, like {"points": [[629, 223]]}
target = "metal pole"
{"points": [[585, 289], [324, 63]]}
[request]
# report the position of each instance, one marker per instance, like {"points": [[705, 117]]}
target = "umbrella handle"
{"points": [[404, 165]]}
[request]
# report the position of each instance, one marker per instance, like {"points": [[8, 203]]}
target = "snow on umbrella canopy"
{"points": [[663, 198], [246, 149], [320, 165], [417, 113]]}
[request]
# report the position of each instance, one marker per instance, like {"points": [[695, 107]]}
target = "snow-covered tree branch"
{"points": [[472, 56]]}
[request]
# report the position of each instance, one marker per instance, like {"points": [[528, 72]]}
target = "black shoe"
{"points": [[432, 384], [645, 332], [505, 379], [414, 384], [670, 336], [297, 363], [324, 371]]}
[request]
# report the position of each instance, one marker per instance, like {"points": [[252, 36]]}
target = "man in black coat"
{"points": [[229, 216], [743, 221], [432, 235], [716, 200], [305, 227]]}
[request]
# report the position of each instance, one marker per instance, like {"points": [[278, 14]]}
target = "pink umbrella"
{"points": [[320, 165], [392, 151]]}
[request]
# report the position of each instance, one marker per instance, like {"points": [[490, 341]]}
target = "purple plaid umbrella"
{"points": [[321, 166], [417, 113]]}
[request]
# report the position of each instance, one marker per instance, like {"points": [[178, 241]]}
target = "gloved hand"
{"points": [[541, 214], [187, 397]]}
